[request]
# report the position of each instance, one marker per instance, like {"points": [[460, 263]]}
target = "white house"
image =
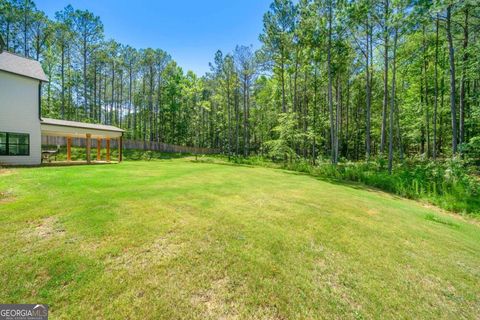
{"points": [[21, 125]]}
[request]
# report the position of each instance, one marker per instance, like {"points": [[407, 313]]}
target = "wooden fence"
{"points": [[129, 144]]}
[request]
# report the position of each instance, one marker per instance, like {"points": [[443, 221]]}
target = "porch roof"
{"points": [[64, 128]]}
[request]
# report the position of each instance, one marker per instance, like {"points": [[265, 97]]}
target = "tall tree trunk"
{"points": [[237, 123], [330, 98], [62, 68], [425, 99], [422, 112], [295, 77], [314, 142], [150, 105], [130, 80], [99, 102], [119, 104], [229, 115], [113, 93], [435, 107], [135, 113], [245, 117], [7, 34], [385, 78], [247, 122], [337, 118], [85, 103], [158, 107], [284, 102], [368, 95], [452, 79], [94, 100], [392, 102], [462, 81], [105, 97], [69, 81], [25, 31], [38, 43], [347, 117], [304, 115]]}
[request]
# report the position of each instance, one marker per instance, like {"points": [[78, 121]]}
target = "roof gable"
{"points": [[13, 63]]}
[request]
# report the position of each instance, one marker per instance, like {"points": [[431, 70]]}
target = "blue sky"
{"points": [[190, 30]]}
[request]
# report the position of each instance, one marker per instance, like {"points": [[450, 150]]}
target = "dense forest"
{"points": [[333, 80]]}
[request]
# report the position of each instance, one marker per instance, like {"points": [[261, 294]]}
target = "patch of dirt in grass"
{"points": [[44, 229], [214, 301], [6, 196], [154, 253], [90, 247], [6, 171]]}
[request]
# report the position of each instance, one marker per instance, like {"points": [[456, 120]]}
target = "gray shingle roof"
{"points": [[13, 63], [83, 125]]}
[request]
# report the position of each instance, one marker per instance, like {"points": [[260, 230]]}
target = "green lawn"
{"points": [[177, 239]]}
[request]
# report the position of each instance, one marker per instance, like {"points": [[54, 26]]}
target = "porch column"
{"points": [[89, 144], [69, 148], [99, 146], [108, 149], [120, 149]]}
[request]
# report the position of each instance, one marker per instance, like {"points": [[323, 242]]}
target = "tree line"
{"points": [[333, 80]]}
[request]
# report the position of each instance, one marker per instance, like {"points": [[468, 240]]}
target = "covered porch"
{"points": [[96, 137]]}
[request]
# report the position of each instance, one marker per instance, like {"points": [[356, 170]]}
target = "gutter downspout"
{"points": [[40, 100]]}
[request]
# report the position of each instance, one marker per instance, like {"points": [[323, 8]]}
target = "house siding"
{"points": [[19, 108]]}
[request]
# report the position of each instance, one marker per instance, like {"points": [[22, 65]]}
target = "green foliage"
{"points": [[239, 105], [287, 136], [447, 184], [471, 151]]}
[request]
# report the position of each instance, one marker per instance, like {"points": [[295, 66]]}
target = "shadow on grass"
{"points": [[225, 163], [463, 206], [148, 156], [343, 183], [76, 163], [441, 220]]}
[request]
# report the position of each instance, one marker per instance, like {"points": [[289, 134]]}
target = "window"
{"points": [[3, 143], [14, 144]]}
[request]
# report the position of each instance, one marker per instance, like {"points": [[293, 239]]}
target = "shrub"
{"points": [[471, 151]]}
